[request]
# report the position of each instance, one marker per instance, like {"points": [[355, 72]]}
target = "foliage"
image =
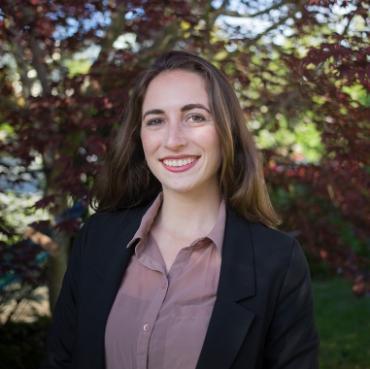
{"points": [[299, 68], [21, 272]]}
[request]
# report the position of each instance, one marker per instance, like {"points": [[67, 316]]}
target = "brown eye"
{"points": [[197, 118], [153, 122]]}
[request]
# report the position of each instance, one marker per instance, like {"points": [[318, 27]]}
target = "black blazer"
{"points": [[263, 314]]}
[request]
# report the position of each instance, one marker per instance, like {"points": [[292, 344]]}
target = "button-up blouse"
{"points": [[159, 319]]}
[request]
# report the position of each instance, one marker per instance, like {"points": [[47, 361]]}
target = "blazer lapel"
{"points": [[119, 258], [112, 266], [230, 321]]}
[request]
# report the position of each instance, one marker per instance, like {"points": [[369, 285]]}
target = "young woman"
{"points": [[181, 267]]}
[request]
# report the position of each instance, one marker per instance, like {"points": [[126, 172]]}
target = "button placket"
{"points": [[149, 320]]}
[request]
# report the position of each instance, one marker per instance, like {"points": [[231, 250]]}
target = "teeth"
{"points": [[178, 163]]}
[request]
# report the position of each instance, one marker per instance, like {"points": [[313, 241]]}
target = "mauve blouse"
{"points": [[158, 319]]}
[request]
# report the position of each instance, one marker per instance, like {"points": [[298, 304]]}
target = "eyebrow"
{"points": [[184, 108]]}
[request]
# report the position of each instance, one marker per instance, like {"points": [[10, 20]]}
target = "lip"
{"points": [[183, 168], [179, 157]]}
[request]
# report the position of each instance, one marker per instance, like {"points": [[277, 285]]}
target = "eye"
{"points": [[197, 118], [153, 122]]}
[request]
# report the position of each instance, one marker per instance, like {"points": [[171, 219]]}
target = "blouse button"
{"points": [[146, 327]]}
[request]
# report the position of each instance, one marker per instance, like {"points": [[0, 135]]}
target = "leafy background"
{"points": [[300, 69]]}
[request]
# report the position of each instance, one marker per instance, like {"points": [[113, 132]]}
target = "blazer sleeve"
{"points": [[292, 340], [63, 330]]}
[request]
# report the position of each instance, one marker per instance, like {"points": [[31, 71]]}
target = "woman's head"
{"points": [[126, 179], [179, 134]]}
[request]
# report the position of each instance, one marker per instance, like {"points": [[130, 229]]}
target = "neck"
{"points": [[184, 214]]}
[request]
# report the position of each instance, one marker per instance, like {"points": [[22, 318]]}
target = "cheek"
{"points": [[212, 142], [146, 142]]}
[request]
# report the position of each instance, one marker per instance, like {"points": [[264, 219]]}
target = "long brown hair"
{"points": [[125, 180]]}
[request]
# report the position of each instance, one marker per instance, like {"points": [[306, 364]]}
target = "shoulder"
{"points": [[109, 220], [273, 250], [265, 239], [270, 239], [277, 251], [104, 227]]}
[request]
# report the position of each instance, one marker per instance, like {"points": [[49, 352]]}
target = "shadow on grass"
{"points": [[22, 345]]}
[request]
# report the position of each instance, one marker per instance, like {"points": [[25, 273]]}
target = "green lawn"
{"points": [[343, 321]]}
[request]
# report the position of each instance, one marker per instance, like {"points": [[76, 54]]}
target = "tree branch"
{"points": [[21, 68], [115, 29], [232, 13], [269, 29], [350, 18], [39, 65]]}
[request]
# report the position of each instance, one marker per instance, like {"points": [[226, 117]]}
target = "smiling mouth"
{"points": [[179, 165], [178, 162]]}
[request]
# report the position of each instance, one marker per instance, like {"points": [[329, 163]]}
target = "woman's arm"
{"points": [[63, 331], [292, 341]]}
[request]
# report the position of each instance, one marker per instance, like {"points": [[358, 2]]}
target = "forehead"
{"points": [[171, 89]]}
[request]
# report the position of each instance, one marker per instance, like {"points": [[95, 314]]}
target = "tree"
{"points": [[67, 69]]}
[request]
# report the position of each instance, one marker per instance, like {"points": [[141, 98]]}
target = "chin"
{"points": [[179, 189], [185, 188]]}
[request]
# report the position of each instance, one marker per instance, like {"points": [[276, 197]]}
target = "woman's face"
{"points": [[178, 133]]}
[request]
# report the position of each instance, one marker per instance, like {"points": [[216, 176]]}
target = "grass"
{"points": [[343, 321]]}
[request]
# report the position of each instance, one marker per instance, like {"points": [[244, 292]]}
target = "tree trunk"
{"points": [[57, 266]]}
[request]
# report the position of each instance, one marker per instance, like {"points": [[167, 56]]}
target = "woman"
{"points": [[181, 266]]}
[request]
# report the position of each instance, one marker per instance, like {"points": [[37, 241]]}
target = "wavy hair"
{"points": [[125, 180]]}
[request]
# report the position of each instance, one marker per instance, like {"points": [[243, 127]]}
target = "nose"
{"points": [[175, 135]]}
